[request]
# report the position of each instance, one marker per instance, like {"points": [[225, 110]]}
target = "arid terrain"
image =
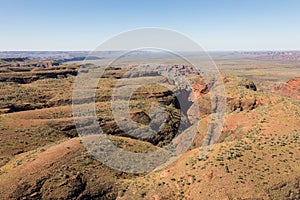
{"points": [[256, 157]]}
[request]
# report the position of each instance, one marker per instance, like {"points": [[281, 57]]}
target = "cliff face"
{"points": [[14, 63]]}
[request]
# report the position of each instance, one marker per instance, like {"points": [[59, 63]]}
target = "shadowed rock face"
{"points": [[182, 101], [30, 77], [248, 84]]}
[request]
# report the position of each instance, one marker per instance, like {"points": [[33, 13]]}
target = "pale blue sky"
{"points": [[215, 24]]}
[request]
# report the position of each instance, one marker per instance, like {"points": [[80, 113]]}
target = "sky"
{"points": [[85, 24]]}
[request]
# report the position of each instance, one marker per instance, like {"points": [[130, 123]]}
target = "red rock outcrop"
{"points": [[290, 89]]}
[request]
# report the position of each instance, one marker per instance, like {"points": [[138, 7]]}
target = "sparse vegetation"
{"points": [[257, 154]]}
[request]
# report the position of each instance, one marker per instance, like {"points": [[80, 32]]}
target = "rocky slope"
{"points": [[290, 89], [41, 156]]}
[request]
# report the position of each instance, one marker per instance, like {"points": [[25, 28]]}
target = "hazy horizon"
{"points": [[216, 51]]}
